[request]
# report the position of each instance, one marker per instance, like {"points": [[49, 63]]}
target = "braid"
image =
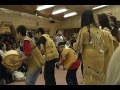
{"points": [[89, 33]]}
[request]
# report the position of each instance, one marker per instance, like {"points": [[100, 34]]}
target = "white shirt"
{"points": [[58, 39], [1, 53]]}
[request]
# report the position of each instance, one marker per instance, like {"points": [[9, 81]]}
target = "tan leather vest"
{"points": [[51, 51], [36, 56], [71, 57]]}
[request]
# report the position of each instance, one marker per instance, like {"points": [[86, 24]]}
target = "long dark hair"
{"points": [[115, 27], [104, 21], [87, 19], [113, 18]]}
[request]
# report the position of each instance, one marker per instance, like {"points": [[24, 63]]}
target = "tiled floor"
{"points": [[60, 78]]}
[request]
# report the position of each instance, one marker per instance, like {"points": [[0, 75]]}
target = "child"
{"points": [[69, 61], [2, 72]]}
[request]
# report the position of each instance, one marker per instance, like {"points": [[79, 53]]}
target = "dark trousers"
{"points": [[82, 67], [49, 72], [71, 78]]}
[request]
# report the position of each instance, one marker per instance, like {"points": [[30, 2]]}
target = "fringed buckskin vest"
{"points": [[36, 56], [50, 49], [71, 57]]}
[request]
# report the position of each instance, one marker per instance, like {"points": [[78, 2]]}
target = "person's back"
{"points": [[90, 44], [71, 57], [110, 42], [50, 48], [94, 49]]}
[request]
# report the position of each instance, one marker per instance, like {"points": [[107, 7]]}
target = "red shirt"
{"points": [[27, 47], [75, 65]]}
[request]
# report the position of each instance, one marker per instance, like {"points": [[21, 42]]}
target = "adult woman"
{"points": [[90, 44], [108, 38]]}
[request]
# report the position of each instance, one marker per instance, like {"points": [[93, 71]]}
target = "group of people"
{"points": [[97, 43], [95, 48], [6, 75]]}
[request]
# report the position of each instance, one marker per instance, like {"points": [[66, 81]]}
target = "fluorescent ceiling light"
{"points": [[39, 8], [98, 7], [70, 14], [59, 11]]}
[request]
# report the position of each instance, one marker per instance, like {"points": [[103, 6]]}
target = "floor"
{"points": [[59, 75]]}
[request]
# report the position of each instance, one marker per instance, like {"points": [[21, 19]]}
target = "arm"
{"points": [[24, 58], [63, 55], [62, 58], [63, 37], [78, 45], [42, 49]]}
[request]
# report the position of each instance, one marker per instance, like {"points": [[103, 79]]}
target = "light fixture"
{"points": [[98, 7], [43, 7], [70, 14], [59, 11]]}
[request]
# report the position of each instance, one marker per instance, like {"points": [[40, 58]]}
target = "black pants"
{"points": [[71, 78], [49, 72], [82, 67]]}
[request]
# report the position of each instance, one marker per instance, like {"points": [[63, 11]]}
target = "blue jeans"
{"points": [[31, 77]]}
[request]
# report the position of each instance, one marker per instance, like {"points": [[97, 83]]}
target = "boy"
{"points": [[69, 60]]}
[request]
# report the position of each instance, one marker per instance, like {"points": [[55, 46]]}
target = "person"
{"points": [[2, 73], [113, 74], [8, 75], [30, 35], [59, 37], [70, 63], [108, 38], [114, 30], [14, 47], [73, 39], [32, 56], [90, 44], [114, 26], [2, 49], [49, 50]]}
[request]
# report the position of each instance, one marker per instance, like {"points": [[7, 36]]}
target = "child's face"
{"points": [[60, 48]]}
